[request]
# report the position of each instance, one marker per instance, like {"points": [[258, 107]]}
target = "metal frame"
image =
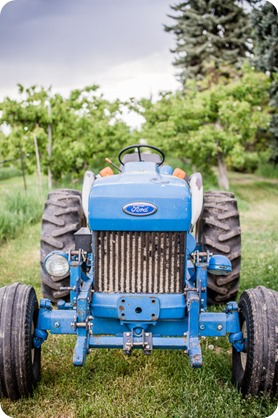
{"points": [[175, 321]]}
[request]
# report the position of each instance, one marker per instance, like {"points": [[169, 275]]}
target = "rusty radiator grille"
{"points": [[139, 262]]}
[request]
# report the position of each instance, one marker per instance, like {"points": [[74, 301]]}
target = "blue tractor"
{"points": [[132, 263]]}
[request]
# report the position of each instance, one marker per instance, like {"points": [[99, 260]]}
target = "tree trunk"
{"points": [[38, 162], [223, 180]]}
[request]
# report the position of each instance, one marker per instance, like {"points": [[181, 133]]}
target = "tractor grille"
{"points": [[139, 262]]}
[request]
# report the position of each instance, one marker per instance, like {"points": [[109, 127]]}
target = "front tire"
{"points": [[255, 370], [20, 361]]}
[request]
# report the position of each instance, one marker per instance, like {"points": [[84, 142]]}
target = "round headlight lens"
{"points": [[56, 265]]}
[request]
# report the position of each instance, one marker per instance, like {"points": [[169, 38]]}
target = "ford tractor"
{"points": [[133, 262]]}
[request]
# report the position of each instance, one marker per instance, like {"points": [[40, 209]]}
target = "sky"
{"points": [[120, 45]]}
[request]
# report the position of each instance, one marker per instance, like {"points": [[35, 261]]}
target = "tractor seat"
{"points": [[145, 157]]}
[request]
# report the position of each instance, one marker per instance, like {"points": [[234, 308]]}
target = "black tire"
{"points": [[63, 216], [255, 370], [19, 361], [218, 230]]}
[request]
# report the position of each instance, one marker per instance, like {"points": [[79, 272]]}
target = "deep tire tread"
{"points": [[218, 230], [63, 216]]}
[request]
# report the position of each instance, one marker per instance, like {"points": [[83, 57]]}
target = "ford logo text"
{"points": [[139, 209]]}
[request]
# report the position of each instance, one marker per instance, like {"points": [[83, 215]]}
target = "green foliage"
{"points": [[209, 34], [202, 125], [85, 127], [265, 32]]}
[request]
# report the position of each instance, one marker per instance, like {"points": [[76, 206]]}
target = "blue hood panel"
{"points": [[111, 202]]}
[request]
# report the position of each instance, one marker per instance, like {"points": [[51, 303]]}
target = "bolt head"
{"points": [[147, 334], [219, 327], [57, 324], [202, 326], [128, 334]]}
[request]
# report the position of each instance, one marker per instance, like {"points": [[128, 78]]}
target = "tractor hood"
{"points": [[140, 199]]}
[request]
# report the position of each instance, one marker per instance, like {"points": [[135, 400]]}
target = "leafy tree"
{"points": [[210, 127], [25, 116], [265, 22], [209, 34], [86, 128]]}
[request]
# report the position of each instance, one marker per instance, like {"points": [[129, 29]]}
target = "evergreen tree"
{"points": [[265, 23], [209, 34], [265, 26]]}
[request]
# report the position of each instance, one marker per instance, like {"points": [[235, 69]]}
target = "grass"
{"points": [[163, 384], [267, 170], [19, 208], [9, 172]]}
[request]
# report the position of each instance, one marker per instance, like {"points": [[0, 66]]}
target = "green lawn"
{"points": [[163, 384]]}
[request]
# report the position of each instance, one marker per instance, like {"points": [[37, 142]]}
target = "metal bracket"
{"points": [[130, 341], [239, 343], [194, 347], [39, 337], [137, 308]]}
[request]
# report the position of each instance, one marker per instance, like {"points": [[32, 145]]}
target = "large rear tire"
{"points": [[218, 230], [19, 360], [255, 370], [63, 216]]}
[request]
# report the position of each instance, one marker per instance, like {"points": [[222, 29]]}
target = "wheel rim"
{"points": [[243, 354]]}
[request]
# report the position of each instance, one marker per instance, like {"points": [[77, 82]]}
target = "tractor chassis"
{"points": [[130, 321]]}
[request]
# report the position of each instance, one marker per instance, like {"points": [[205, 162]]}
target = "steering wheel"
{"points": [[138, 147]]}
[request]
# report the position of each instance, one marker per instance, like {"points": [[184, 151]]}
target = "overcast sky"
{"points": [[118, 44]]}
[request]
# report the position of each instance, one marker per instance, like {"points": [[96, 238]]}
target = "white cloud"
{"points": [[3, 2]]}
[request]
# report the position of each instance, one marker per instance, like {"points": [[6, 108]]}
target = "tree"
{"points": [[210, 127], [265, 23], [86, 128], [25, 116], [209, 34]]}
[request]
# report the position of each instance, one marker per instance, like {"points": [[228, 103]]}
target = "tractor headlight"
{"points": [[56, 264], [219, 265]]}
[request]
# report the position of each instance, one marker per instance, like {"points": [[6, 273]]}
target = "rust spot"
{"points": [[121, 307]]}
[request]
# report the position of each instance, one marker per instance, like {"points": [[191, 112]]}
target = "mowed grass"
{"points": [[163, 384]]}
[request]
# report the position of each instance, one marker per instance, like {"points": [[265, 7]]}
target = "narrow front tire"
{"points": [[19, 360], [255, 369]]}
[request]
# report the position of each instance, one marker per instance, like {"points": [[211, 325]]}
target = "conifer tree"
{"points": [[209, 34], [265, 23]]}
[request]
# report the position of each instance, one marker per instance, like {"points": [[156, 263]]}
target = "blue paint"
{"points": [[105, 305], [190, 244], [141, 198], [166, 169], [219, 265], [169, 194]]}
